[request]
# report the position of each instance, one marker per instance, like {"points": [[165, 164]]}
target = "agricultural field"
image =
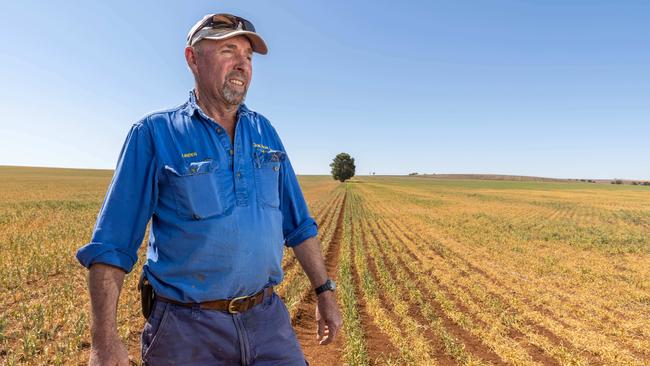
{"points": [[430, 271]]}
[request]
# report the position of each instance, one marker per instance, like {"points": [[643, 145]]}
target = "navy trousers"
{"points": [[178, 335]]}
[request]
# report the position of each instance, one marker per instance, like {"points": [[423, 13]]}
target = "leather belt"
{"points": [[233, 306]]}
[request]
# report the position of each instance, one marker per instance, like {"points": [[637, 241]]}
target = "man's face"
{"points": [[222, 68]]}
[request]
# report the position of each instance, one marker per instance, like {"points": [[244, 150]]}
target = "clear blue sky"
{"points": [[546, 87]]}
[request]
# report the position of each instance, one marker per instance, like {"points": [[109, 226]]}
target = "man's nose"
{"points": [[243, 63]]}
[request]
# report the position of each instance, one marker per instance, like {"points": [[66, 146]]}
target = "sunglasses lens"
{"points": [[223, 21], [227, 21], [248, 26]]}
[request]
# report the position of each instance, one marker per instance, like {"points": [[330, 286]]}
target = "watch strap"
{"points": [[328, 285]]}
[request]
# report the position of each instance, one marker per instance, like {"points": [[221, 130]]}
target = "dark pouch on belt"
{"points": [[146, 295]]}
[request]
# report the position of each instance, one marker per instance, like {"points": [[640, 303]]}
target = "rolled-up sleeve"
{"points": [[297, 224], [128, 205]]}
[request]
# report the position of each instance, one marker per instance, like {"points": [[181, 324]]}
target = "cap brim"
{"points": [[257, 42]]}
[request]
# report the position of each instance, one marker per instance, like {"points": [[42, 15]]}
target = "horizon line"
{"points": [[371, 175]]}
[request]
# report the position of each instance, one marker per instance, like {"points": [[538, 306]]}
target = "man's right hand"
{"points": [[113, 353]]}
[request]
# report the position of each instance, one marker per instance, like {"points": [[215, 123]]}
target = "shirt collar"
{"points": [[192, 106]]}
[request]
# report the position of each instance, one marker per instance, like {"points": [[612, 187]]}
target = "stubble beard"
{"points": [[231, 96]]}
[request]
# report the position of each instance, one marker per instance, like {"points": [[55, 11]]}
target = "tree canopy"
{"points": [[343, 167]]}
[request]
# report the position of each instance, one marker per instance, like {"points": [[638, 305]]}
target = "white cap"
{"points": [[203, 30]]}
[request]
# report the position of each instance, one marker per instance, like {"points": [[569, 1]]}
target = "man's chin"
{"points": [[236, 101], [233, 97]]}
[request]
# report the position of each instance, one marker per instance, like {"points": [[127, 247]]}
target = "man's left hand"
{"points": [[328, 318]]}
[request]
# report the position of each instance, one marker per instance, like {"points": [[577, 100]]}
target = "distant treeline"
{"points": [[634, 182]]}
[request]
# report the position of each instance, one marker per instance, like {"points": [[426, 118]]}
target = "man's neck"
{"points": [[216, 109]]}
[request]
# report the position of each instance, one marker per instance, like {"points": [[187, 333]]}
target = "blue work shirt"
{"points": [[220, 214]]}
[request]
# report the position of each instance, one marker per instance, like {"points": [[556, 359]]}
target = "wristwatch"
{"points": [[329, 285]]}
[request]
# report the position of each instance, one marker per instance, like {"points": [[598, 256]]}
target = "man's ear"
{"points": [[190, 57]]}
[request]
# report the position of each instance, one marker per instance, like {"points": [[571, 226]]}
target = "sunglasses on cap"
{"points": [[225, 22]]}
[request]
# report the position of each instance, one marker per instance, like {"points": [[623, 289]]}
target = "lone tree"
{"points": [[342, 167]]}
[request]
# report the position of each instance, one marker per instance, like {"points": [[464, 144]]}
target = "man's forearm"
{"points": [[311, 259], [104, 284]]}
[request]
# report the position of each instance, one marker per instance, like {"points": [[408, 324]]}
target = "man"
{"points": [[222, 196]]}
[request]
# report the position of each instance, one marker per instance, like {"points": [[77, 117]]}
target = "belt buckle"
{"points": [[231, 304]]}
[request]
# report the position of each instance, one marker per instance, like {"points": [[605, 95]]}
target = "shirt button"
{"points": [[232, 152], [238, 174], [219, 130], [196, 217], [276, 168]]}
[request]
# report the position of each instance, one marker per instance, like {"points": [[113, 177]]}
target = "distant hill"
{"points": [[521, 178]]}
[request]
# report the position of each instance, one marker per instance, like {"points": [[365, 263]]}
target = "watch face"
{"points": [[332, 285]]}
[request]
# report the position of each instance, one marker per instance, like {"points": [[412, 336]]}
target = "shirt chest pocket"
{"points": [[267, 167], [200, 190]]}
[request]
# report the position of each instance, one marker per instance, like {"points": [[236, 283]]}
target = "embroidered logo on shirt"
{"points": [[260, 147], [190, 155]]}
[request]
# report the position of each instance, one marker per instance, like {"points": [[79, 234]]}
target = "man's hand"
{"points": [[328, 318], [113, 353]]}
